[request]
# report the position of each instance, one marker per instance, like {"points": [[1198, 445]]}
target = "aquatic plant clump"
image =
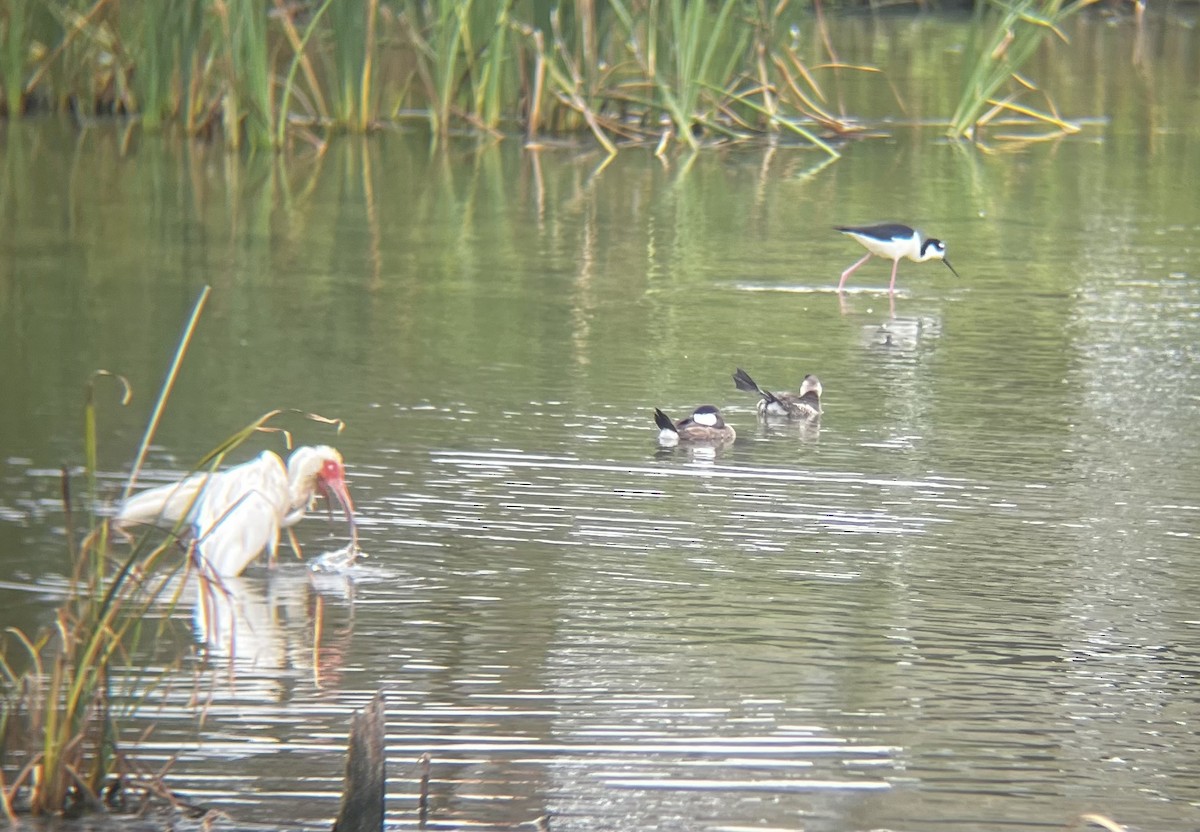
{"points": [[62, 689], [650, 72]]}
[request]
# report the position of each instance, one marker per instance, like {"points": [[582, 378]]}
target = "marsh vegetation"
{"points": [[66, 687], [659, 72]]}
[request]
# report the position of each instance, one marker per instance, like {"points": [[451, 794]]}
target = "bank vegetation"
{"points": [[659, 73]]}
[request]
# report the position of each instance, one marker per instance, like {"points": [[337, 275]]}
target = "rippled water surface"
{"points": [[965, 601]]}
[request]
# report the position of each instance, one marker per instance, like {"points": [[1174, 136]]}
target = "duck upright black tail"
{"points": [[742, 381]]}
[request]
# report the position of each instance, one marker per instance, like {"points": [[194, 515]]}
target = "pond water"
{"points": [[967, 600]]}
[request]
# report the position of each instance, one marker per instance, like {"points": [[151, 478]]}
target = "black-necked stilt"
{"points": [[705, 425], [893, 241], [803, 405]]}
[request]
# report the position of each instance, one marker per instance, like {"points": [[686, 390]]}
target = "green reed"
{"points": [[14, 46], [157, 39], [680, 57], [487, 101], [63, 52], [1002, 50], [352, 42], [242, 51], [188, 32], [166, 46], [242, 64], [629, 71], [582, 71], [574, 81], [299, 44], [61, 689], [462, 50], [57, 727], [436, 40]]}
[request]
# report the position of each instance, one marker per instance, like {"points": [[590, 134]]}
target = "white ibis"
{"points": [[894, 242], [803, 405], [236, 513]]}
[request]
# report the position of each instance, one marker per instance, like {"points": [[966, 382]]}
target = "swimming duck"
{"points": [[803, 405], [705, 425]]}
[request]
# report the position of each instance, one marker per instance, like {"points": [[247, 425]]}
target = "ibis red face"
{"points": [[332, 480]]}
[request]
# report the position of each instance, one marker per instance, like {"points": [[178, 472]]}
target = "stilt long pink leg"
{"points": [[892, 285], [850, 270]]}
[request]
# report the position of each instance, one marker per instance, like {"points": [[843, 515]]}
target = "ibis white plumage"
{"points": [[236, 513], [893, 241]]}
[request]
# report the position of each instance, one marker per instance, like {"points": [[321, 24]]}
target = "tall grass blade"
{"points": [[623, 69], [352, 27], [690, 35], [165, 390], [13, 53], [489, 91], [188, 23], [298, 60], [158, 51], [791, 125], [91, 465], [1002, 51], [247, 108], [66, 750], [569, 83], [366, 109]]}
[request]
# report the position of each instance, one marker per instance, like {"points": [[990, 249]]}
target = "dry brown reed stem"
{"points": [[6, 802], [807, 105], [569, 93], [301, 59], [539, 82], [318, 628], [298, 46], [618, 69], [77, 28], [795, 128], [765, 87], [364, 104], [664, 142]]}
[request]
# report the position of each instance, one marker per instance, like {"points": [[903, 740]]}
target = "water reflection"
{"points": [[804, 430], [277, 623]]}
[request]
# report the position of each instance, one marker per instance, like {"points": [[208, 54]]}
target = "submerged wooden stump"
{"points": [[366, 774]]}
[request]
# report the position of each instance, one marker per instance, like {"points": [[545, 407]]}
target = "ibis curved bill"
{"points": [[236, 513]]}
